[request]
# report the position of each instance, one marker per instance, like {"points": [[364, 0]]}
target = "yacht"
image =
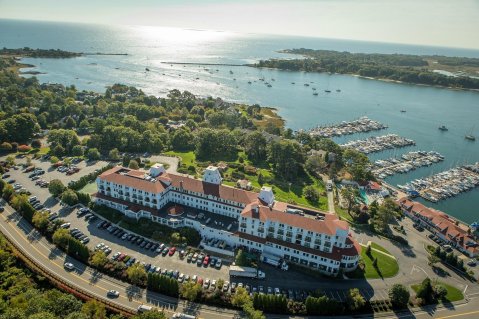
{"points": [[443, 128]]}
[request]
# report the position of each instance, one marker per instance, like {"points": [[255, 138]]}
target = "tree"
{"points": [[425, 291], [182, 139], [240, 297], [70, 122], [315, 164], [98, 259], [349, 194], [399, 296], [40, 220], [255, 146], [36, 144], [69, 197], [133, 164], [114, 154], [61, 237], [240, 259], [355, 300], [136, 274], [286, 157], [77, 150], [432, 259], [93, 154], [440, 291], [56, 187], [190, 290], [311, 194], [94, 309], [6, 147]]}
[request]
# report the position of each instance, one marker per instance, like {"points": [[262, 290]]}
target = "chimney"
{"points": [[181, 184], [255, 210]]}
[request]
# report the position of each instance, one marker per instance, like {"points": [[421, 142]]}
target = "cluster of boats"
{"points": [[445, 184], [361, 125], [379, 143], [406, 163]]}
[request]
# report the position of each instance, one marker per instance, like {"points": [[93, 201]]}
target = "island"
{"points": [[435, 70]]}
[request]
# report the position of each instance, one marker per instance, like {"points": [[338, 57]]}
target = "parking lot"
{"points": [[130, 248]]}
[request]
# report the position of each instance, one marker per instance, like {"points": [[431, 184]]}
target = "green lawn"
{"points": [[379, 247], [343, 213], [387, 266], [453, 294], [89, 188], [187, 158]]}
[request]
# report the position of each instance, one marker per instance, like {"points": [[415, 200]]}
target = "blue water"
{"points": [[426, 107]]}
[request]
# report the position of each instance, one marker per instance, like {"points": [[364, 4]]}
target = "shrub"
{"points": [[399, 296], [24, 148]]}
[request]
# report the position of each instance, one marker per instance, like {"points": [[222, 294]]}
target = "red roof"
{"points": [[131, 178], [265, 213]]}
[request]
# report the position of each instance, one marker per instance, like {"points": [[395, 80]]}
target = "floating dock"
{"points": [[375, 144], [361, 125], [406, 163]]}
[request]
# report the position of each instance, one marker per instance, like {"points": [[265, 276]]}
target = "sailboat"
{"points": [[469, 136]]}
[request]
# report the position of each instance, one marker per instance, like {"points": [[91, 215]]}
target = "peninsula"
{"points": [[462, 73]]}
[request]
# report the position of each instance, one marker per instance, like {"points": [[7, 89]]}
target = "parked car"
{"points": [[172, 251]]}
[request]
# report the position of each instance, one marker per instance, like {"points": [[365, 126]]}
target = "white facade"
{"points": [[317, 249]]}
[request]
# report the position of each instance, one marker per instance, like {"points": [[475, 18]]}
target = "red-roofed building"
{"points": [[442, 225], [236, 216]]}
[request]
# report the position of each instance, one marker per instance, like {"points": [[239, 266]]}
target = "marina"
{"points": [[445, 184], [361, 125], [406, 163], [375, 144]]}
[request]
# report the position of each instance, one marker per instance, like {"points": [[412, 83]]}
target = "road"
{"points": [[330, 195], [87, 279]]}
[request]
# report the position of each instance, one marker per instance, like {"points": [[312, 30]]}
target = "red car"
{"points": [[206, 261], [172, 251]]}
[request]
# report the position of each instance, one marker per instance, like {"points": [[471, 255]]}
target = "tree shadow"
{"points": [[134, 292], [95, 276], [55, 253]]}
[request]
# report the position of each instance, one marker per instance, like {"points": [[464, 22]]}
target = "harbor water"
{"points": [[426, 108]]}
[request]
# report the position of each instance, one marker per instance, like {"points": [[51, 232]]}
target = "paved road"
{"points": [[48, 256]]}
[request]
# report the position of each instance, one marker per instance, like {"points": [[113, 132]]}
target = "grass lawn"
{"points": [[379, 247], [89, 188], [387, 267], [453, 294], [187, 158], [343, 213]]}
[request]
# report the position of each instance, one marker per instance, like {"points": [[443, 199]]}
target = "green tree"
{"points": [[182, 140], [315, 164], [69, 197], [311, 193], [240, 297], [61, 237], [114, 154], [77, 150], [426, 291], [287, 158], [94, 309], [190, 290], [133, 164], [136, 274], [150, 315], [355, 300], [36, 144], [56, 187], [255, 146], [349, 194], [399, 296], [40, 220], [93, 154], [240, 258], [70, 122], [98, 259]]}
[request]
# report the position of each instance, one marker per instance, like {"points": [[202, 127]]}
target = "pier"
{"points": [[445, 184], [361, 125], [379, 143], [406, 163]]}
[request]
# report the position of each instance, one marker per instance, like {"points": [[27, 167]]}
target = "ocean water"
{"points": [[153, 47]]}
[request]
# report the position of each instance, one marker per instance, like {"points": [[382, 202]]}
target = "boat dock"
{"points": [[406, 163], [361, 125], [379, 143], [445, 184]]}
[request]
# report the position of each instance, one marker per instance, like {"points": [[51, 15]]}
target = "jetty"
{"points": [[406, 163], [361, 125], [445, 184], [375, 144]]}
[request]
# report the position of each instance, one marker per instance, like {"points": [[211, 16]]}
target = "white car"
{"points": [[181, 277], [112, 293], [66, 225], [69, 266]]}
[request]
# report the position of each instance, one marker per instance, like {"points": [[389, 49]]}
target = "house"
{"points": [[255, 221], [442, 225]]}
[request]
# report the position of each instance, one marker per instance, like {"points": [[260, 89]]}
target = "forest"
{"points": [[414, 69]]}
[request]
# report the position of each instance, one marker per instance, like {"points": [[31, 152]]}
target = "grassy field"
{"points": [[187, 158], [89, 188], [453, 294], [343, 213], [386, 267]]}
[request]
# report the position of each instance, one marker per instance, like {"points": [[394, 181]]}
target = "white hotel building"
{"points": [[235, 216]]}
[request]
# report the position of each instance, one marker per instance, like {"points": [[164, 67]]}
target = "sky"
{"points": [[449, 23]]}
